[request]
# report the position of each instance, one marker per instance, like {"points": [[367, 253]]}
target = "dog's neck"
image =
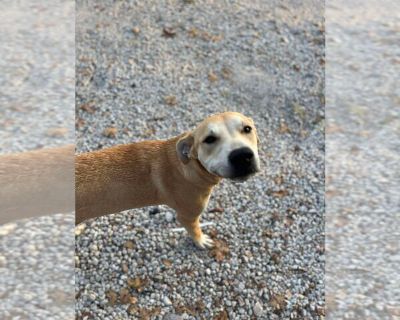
{"points": [[193, 171], [202, 174]]}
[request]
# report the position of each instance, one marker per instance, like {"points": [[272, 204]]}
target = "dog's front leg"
{"points": [[192, 225]]}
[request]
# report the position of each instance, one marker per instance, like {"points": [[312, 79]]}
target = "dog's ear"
{"points": [[184, 147]]}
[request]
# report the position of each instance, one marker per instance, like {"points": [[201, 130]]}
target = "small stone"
{"points": [[3, 261], [169, 216], [7, 228], [125, 268], [77, 262], [167, 301], [208, 271], [135, 30], [258, 309]]}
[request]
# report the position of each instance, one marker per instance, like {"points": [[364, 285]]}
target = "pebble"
{"points": [[258, 309], [169, 216], [7, 228], [167, 301]]}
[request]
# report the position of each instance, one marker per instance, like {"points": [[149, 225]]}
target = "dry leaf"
{"points": [[193, 32], [288, 221], [299, 110], [213, 233], [278, 302], [267, 233], [147, 314], [133, 300], [170, 100], [149, 131], [124, 296], [129, 245], [276, 258], [166, 262], [220, 251], [112, 297], [283, 128], [110, 132], [278, 180], [216, 38], [217, 209], [321, 311], [332, 193], [212, 77], [333, 129], [137, 283], [132, 310], [185, 309], [57, 132], [223, 315], [226, 73], [169, 32], [88, 107], [79, 123], [280, 193]]}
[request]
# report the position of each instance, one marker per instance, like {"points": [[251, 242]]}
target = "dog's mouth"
{"points": [[243, 176], [237, 175]]}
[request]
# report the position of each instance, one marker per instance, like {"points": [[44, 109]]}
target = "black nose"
{"points": [[241, 158]]}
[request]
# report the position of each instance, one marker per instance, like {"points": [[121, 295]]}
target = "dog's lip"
{"points": [[245, 176]]}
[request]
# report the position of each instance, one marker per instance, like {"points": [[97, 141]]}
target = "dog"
{"points": [[180, 172], [36, 183]]}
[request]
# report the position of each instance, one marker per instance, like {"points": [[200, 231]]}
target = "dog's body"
{"points": [[36, 183], [180, 172]]}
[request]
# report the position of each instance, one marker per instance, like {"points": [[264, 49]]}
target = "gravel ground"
{"points": [[151, 70], [37, 74], [36, 99], [362, 159]]}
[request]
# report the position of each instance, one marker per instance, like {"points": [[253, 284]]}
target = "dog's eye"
{"points": [[210, 139], [247, 129]]}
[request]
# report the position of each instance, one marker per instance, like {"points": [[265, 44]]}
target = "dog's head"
{"points": [[225, 144]]}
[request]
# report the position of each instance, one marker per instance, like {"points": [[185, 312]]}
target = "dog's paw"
{"points": [[204, 242]]}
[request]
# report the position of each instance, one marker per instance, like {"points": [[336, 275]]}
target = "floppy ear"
{"points": [[184, 147]]}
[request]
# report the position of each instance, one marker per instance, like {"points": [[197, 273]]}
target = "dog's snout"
{"points": [[241, 158]]}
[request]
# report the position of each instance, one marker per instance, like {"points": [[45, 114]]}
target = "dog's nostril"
{"points": [[241, 157]]}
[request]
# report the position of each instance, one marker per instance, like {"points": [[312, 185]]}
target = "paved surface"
{"points": [[151, 70], [36, 98], [362, 160]]}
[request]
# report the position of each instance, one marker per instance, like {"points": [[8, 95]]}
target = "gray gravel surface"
{"points": [[152, 70], [362, 186], [36, 110], [37, 74]]}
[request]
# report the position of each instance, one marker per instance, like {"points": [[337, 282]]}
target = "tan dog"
{"points": [[36, 183], [180, 172]]}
